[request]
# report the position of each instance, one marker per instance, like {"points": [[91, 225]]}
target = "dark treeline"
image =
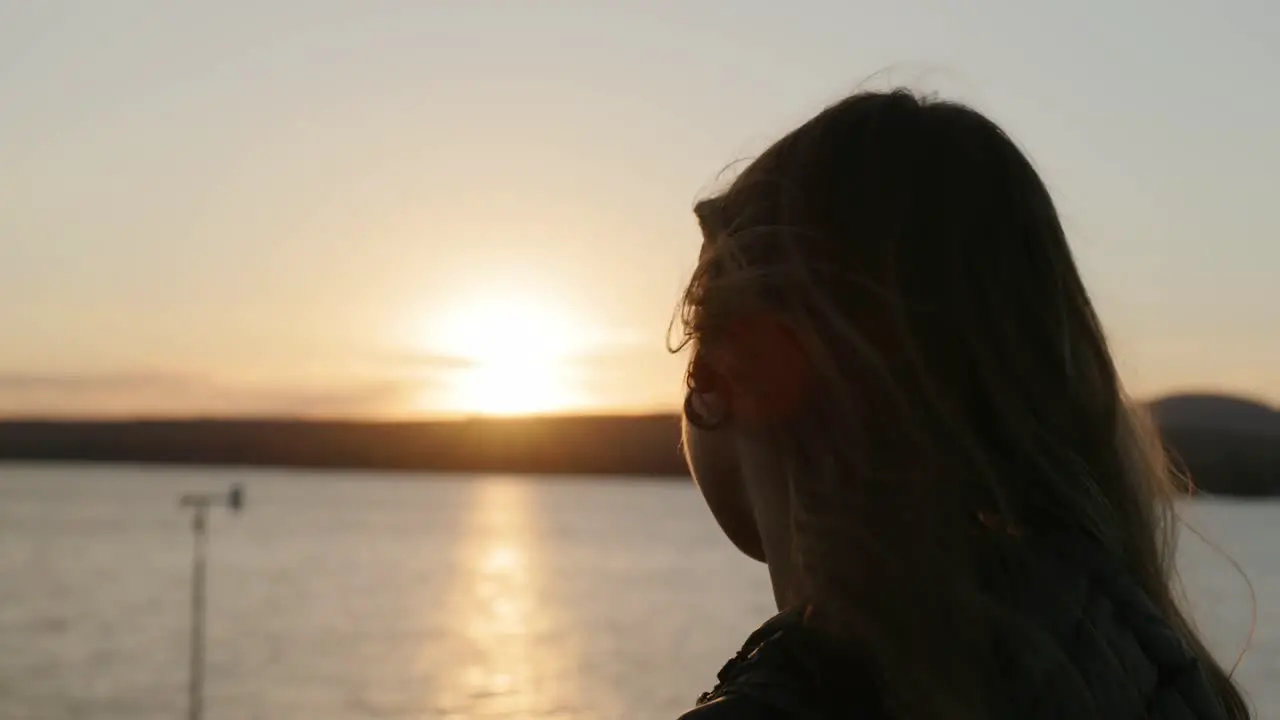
{"points": [[645, 445], [1228, 447]]}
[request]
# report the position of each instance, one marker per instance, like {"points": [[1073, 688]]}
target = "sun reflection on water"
{"points": [[512, 662]]}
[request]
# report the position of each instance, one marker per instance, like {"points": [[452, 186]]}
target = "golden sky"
{"points": [[407, 208]]}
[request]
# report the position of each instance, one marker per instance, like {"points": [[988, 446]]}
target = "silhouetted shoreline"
{"points": [[1229, 446], [641, 445]]}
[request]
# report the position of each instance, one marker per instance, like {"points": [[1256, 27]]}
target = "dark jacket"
{"points": [[1082, 626]]}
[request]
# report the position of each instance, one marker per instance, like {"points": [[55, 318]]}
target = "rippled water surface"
{"points": [[346, 596]]}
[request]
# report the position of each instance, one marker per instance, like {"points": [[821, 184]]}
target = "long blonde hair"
{"points": [[954, 369]]}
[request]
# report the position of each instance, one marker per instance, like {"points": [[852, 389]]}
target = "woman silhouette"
{"points": [[901, 400]]}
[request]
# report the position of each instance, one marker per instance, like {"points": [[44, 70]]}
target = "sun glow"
{"points": [[514, 357]]}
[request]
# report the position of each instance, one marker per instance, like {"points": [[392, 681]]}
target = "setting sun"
{"points": [[514, 353]]}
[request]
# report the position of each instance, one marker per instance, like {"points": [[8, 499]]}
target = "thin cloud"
{"points": [[360, 399], [146, 394], [28, 383], [434, 362]]}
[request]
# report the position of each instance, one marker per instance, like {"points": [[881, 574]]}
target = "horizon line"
{"points": [[400, 418]]}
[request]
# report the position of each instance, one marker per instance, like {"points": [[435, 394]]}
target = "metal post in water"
{"points": [[200, 504]]}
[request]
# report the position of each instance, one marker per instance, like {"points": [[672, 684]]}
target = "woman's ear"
{"points": [[708, 397]]}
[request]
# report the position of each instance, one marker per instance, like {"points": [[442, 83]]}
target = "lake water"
{"points": [[349, 596]]}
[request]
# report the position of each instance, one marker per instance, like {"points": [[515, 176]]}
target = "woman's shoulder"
{"points": [[785, 671]]}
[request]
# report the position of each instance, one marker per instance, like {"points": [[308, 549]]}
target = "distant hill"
{"points": [[1222, 412], [1227, 445]]}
